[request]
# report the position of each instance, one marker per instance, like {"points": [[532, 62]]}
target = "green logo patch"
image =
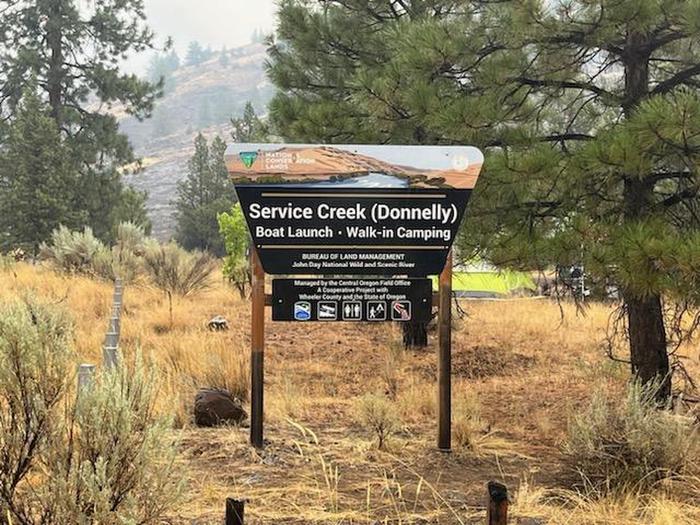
{"points": [[248, 157]]}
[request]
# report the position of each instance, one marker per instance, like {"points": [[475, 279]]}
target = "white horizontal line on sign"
{"points": [[346, 247], [358, 195]]}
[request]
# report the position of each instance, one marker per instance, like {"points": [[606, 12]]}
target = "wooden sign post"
{"points": [[445, 357], [257, 346], [359, 229]]}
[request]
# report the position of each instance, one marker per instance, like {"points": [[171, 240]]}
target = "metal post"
{"points": [[110, 356], [257, 349], [85, 373], [114, 324], [445, 358]]}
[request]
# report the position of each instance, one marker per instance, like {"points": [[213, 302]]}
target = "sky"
{"points": [[213, 23]]}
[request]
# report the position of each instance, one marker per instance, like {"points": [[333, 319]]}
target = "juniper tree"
{"points": [[38, 178], [588, 112], [202, 195], [74, 51]]}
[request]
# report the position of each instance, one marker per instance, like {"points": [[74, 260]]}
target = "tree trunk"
{"points": [[647, 335], [415, 334], [645, 319], [55, 74]]}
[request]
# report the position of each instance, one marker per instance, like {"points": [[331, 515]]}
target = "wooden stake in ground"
{"points": [[235, 511], [497, 513], [257, 349], [445, 357]]}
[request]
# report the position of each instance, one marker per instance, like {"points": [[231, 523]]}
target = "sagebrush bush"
{"points": [[629, 443], [124, 260], [114, 462], [72, 251], [7, 262], [99, 456], [379, 415], [82, 252], [177, 271]]}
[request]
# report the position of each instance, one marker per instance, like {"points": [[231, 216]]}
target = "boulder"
{"points": [[218, 324], [217, 407]]}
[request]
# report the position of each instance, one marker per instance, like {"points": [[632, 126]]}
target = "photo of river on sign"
{"points": [[369, 223]]}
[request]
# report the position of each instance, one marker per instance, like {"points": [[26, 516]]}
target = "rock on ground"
{"points": [[214, 407]]}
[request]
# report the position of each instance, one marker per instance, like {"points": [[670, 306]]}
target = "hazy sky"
{"points": [[212, 22]]}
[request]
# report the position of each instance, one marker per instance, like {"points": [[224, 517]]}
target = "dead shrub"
{"points": [[378, 415]]}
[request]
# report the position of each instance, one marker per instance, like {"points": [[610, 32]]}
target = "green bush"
{"points": [[234, 231], [629, 443], [101, 456]]}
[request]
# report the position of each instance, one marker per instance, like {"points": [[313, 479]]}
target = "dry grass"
{"points": [[186, 356], [520, 369]]}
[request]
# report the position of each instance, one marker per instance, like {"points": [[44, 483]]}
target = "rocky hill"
{"points": [[199, 98]]}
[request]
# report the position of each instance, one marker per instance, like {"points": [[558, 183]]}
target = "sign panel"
{"points": [[352, 231], [353, 209], [371, 300]]}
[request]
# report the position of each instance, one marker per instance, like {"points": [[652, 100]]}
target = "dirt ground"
{"points": [[519, 370]]}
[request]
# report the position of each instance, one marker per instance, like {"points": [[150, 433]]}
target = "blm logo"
{"points": [[248, 158]]}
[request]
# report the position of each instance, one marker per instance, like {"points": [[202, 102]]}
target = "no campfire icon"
{"points": [[401, 311]]}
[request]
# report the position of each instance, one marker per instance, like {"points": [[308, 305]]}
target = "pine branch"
{"points": [[671, 175], [680, 78], [567, 136], [686, 194], [564, 84]]}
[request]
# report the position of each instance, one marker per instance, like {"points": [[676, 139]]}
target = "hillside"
{"points": [[199, 98]]}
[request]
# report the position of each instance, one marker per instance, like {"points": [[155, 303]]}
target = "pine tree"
{"points": [[38, 177], [132, 209], [202, 195], [248, 127], [195, 54], [588, 112], [161, 68], [74, 52], [317, 101]]}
